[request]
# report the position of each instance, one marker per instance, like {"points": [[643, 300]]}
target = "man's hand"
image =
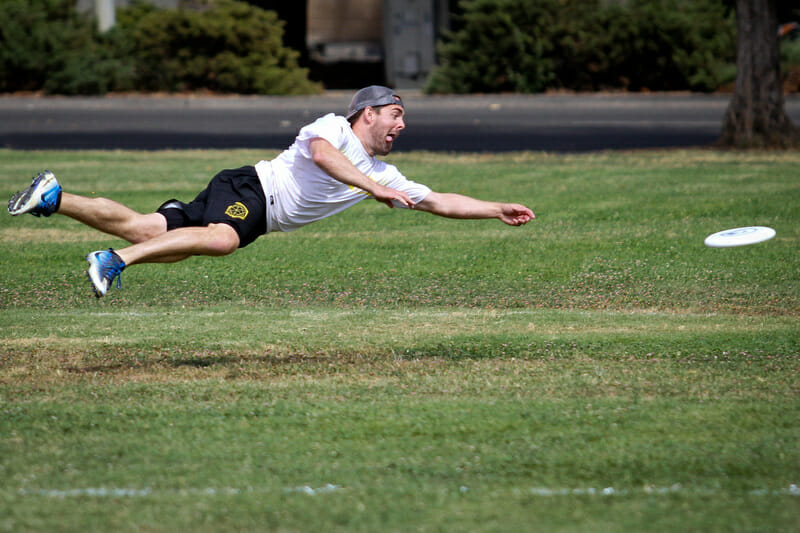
{"points": [[459, 206], [516, 215], [388, 196], [337, 166]]}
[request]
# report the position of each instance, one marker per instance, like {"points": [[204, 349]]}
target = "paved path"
{"points": [[559, 123]]}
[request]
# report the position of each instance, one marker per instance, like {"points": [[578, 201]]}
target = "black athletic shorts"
{"points": [[234, 197]]}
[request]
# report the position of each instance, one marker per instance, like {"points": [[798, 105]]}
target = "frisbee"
{"points": [[739, 236]]}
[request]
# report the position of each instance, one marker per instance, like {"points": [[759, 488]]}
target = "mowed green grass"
{"points": [[596, 370]]}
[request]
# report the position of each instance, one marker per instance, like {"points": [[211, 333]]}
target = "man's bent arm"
{"points": [[452, 205], [337, 166]]}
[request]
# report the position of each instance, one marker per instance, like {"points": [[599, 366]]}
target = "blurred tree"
{"points": [[756, 116]]}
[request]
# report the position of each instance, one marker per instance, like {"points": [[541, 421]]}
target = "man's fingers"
{"points": [[517, 215], [389, 196]]}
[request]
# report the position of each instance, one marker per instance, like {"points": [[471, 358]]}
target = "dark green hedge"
{"points": [[587, 45], [500, 45], [230, 47], [44, 45]]}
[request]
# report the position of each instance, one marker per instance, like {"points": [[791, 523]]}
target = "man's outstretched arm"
{"points": [[337, 166], [452, 205]]}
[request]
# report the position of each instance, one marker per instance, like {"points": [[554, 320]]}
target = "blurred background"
{"points": [[437, 46]]}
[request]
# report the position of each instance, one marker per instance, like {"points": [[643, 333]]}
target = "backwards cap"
{"points": [[372, 96]]}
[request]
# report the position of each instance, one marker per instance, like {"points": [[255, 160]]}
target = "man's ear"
{"points": [[369, 114]]}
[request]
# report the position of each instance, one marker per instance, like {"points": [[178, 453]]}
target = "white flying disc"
{"points": [[739, 236]]}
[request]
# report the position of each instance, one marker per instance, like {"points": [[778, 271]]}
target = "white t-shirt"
{"points": [[298, 192]]}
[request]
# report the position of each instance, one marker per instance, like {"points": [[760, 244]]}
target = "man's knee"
{"points": [[145, 227], [223, 239]]}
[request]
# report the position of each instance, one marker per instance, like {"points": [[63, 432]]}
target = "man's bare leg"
{"points": [[112, 217], [179, 244], [151, 242], [147, 233], [170, 246], [45, 196]]}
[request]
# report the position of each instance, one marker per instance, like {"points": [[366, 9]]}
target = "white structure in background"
{"points": [[410, 32], [105, 10], [400, 33], [105, 13]]}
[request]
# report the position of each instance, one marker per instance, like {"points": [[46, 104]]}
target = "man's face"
{"points": [[385, 128]]}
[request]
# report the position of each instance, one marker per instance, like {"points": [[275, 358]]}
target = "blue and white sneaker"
{"points": [[42, 198], [104, 268]]}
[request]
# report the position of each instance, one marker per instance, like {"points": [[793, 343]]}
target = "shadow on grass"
{"points": [[745, 347]]}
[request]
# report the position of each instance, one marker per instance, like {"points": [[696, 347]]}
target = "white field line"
{"points": [[110, 492], [423, 313], [793, 490]]}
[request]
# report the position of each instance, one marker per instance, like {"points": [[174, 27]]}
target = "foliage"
{"points": [[499, 48], [588, 45], [230, 47], [645, 44], [790, 62], [45, 45]]}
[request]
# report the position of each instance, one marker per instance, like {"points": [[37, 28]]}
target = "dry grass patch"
{"points": [[21, 234]]}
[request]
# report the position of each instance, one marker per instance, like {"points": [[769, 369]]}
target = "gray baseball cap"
{"points": [[372, 96]]}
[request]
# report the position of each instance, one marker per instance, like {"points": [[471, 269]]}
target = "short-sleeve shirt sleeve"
{"points": [[326, 127]]}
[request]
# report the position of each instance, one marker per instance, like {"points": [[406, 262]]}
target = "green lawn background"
{"points": [[597, 369]]}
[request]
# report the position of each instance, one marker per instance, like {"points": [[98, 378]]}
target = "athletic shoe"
{"points": [[42, 198], [104, 267]]}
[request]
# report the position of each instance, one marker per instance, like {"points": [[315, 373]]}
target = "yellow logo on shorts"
{"points": [[237, 210]]}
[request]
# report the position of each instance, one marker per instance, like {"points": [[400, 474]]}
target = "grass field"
{"points": [[596, 370]]}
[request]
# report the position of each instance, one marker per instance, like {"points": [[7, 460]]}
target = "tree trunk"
{"points": [[756, 117]]}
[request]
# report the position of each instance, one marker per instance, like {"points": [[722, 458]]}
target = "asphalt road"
{"points": [[557, 123]]}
